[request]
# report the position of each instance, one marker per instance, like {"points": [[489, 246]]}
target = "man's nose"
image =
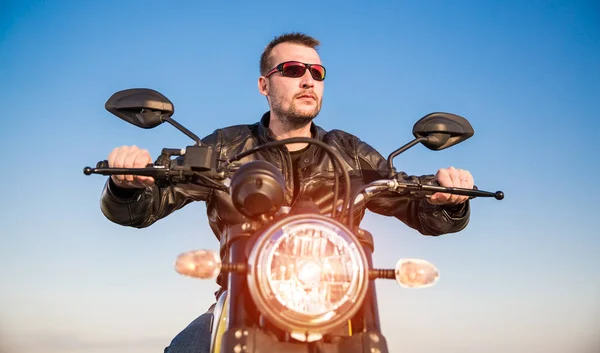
{"points": [[307, 81]]}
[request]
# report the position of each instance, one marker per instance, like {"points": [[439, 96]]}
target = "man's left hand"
{"points": [[452, 177]]}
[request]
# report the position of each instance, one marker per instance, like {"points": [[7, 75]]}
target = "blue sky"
{"points": [[522, 277]]}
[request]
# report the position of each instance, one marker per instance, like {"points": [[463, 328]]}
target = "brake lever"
{"points": [[418, 190], [102, 168]]}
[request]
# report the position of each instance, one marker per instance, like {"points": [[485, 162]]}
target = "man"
{"points": [[292, 80]]}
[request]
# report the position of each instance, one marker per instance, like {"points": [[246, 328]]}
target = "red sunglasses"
{"points": [[297, 69]]}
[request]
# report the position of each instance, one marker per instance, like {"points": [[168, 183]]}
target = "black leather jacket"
{"points": [[141, 208]]}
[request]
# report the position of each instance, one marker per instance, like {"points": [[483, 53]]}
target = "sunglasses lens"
{"points": [[293, 70], [317, 72]]}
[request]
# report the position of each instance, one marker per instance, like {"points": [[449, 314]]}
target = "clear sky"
{"points": [[523, 276]]}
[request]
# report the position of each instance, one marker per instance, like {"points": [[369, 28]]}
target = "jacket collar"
{"points": [[266, 135]]}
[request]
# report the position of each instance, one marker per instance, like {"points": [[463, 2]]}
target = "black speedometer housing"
{"points": [[257, 189]]}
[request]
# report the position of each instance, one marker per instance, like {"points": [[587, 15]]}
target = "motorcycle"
{"points": [[297, 280]]}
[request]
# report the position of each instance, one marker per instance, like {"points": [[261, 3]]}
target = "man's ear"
{"points": [[263, 86]]}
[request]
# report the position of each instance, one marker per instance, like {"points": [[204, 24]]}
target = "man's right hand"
{"points": [[130, 157]]}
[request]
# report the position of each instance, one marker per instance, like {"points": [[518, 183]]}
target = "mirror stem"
{"points": [[183, 129], [391, 169]]}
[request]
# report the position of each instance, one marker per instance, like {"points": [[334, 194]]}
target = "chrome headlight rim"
{"points": [[286, 318]]}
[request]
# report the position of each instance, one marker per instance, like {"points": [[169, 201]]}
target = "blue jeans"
{"points": [[195, 338]]}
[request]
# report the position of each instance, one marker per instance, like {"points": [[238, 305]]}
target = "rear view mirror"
{"points": [[142, 107], [442, 130]]}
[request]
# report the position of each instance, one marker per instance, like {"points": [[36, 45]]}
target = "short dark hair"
{"points": [[294, 38]]}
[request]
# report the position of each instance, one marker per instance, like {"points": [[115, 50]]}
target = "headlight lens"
{"points": [[309, 274]]}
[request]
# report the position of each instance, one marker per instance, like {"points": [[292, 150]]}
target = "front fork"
{"points": [[367, 318]]}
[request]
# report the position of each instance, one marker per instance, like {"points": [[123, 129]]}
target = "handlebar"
{"points": [[412, 190], [206, 174], [153, 170]]}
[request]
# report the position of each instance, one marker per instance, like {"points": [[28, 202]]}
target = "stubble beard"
{"points": [[293, 118]]}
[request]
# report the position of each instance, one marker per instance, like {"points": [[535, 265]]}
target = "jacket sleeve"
{"points": [[420, 215], [140, 208]]}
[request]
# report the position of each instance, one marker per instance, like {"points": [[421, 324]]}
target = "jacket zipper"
{"points": [[286, 162]]}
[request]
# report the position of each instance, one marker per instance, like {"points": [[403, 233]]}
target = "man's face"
{"points": [[295, 101]]}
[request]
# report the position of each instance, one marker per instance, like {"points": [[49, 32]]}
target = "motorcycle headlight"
{"points": [[309, 274]]}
